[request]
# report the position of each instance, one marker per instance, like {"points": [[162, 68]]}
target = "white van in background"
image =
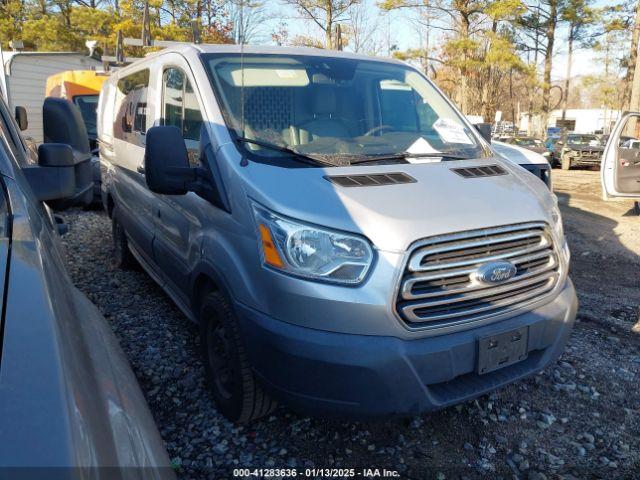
{"points": [[25, 76], [531, 161]]}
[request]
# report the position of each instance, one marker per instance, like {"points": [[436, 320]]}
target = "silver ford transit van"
{"points": [[346, 239]]}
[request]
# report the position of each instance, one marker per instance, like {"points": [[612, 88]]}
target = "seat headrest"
{"points": [[324, 100]]}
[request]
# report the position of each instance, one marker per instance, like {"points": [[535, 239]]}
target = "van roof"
{"points": [[261, 49], [187, 49]]}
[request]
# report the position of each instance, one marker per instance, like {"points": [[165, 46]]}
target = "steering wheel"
{"points": [[379, 128]]}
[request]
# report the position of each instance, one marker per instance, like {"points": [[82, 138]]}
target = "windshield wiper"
{"points": [[405, 155], [290, 151]]}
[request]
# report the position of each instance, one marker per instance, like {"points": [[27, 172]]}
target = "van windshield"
{"points": [[338, 110], [88, 105]]}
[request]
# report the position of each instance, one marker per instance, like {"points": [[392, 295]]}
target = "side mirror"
{"points": [[54, 178], [166, 162], [21, 118], [484, 129], [63, 124]]}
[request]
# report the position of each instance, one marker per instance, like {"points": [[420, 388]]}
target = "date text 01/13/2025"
{"points": [[316, 472]]}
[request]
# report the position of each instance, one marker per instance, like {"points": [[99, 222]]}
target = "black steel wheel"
{"points": [[237, 394]]}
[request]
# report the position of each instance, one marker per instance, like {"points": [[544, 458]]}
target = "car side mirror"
{"points": [[54, 178], [484, 129], [65, 154], [63, 123], [166, 162], [21, 118]]}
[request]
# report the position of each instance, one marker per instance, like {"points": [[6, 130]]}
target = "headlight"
{"points": [[311, 252]]}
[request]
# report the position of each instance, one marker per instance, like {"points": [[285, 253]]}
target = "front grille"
{"points": [[439, 287], [590, 154]]}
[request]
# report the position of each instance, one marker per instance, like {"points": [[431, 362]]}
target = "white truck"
{"points": [[24, 80]]}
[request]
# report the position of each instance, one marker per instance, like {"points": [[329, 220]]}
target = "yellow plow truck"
{"points": [[82, 88]]}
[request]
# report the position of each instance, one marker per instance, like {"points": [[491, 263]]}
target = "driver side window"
{"points": [[398, 106], [180, 108], [631, 134], [402, 108]]}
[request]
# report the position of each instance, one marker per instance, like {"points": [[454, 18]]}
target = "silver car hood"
{"points": [[517, 154], [395, 216]]}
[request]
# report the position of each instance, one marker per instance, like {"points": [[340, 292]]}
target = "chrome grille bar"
{"points": [[539, 272], [439, 283], [509, 301]]}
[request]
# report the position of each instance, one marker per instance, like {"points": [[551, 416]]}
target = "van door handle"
{"points": [[140, 169]]}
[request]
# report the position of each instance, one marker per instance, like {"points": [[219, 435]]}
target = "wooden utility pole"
{"points": [[634, 103], [329, 28], [536, 49], [567, 82], [548, 62], [146, 26], [338, 37], [633, 61]]}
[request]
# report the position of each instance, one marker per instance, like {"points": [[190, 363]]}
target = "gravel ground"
{"points": [[580, 418]]}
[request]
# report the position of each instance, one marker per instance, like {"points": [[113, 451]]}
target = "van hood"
{"points": [[393, 217]]}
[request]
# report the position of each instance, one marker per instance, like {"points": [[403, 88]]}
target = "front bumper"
{"points": [[328, 373], [577, 158]]}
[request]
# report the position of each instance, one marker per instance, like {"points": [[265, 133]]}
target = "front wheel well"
{"points": [[202, 286]]}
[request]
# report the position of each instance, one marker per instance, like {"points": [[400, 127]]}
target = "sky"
{"points": [[403, 33]]}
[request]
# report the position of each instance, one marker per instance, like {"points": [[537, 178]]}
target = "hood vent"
{"points": [[374, 180], [477, 172]]}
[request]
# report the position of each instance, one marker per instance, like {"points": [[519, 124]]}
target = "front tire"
{"points": [[233, 385]]}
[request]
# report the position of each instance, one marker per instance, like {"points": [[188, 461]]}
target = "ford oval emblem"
{"points": [[496, 272]]}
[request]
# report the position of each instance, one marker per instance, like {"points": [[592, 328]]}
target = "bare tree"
{"points": [[364, 30], [580, 16], [280, 34], [249, 20], [424, 24], [464, 20], [324, 13], [537, 32]]}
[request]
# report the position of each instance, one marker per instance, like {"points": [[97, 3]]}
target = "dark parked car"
{"points": [[70, 406], [579, 150], [550, 144], [530, 143]]}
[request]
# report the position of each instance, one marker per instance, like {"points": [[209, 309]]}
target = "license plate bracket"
{"points": [[502, 349]]}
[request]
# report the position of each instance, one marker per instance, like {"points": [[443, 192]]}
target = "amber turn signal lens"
{"points": [[271, 255]]}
